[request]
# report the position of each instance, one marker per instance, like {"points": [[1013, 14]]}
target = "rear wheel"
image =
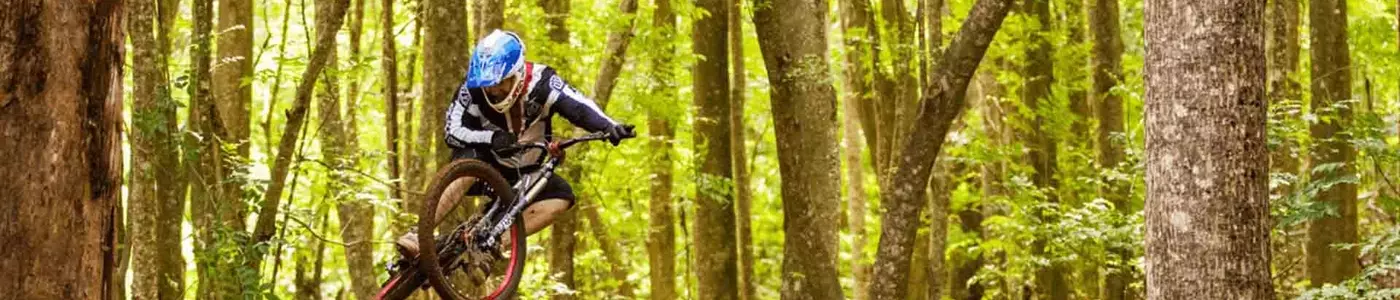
{"points": [[491, 282]]}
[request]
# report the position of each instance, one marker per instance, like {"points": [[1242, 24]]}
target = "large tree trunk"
{"points": [[172, 195], [743, 195], [61, 120], [661, 237], [1331, 84], [1207, 168], [153, 189], [487, 15], [794, 51], [905, 191], [296, 119], [339, 143], [1107, 71], [716, 259]]}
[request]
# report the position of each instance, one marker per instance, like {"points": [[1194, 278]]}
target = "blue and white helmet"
{"points": [[497, 57]]}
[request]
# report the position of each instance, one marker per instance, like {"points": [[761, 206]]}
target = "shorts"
{"points": [[554, 188]]}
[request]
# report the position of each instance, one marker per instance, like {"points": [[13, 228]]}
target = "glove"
{"points": [[501, 139], [618, 132]]}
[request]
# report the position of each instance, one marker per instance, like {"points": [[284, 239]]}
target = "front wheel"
{"points": [[490, 282]]}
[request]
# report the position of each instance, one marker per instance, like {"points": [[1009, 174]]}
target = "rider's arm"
{"points": [[577, 108], [463, 134]]}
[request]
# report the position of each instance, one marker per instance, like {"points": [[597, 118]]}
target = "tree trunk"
{"points": [[855, 191], [1283, 52], [61, 120], [615, 54], [152, 189], [970, 218], [1331, 85], [232, 97], [339, 143], [716, 259], [1078, 98], [487, 15], [1207, 168], [904, 193], [743, 195], [388, 64], [661, 237], [296, 118], [612, 254], [1107, 53], [200, 166], [941, 187], [444, 66], [1039, 75], [563, 236], [172, 195], [856, 30], [794, 51], [661, 245]]}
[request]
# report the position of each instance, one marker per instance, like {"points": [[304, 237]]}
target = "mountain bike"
{"points": [[475, 245]]}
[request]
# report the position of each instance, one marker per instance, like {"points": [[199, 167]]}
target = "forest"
{"points": [[786, 149]]}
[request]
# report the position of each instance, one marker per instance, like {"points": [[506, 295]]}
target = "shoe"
{"points": [[407, 245]]}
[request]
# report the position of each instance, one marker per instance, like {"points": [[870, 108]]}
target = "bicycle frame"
{"points": [[532, 183]]}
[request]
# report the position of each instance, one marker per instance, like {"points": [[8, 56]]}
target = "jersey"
{"points": [[471, 121]]}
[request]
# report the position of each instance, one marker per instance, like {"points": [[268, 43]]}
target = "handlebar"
{"points": [[558, 147]]}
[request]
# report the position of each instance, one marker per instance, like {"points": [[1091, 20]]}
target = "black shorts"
{"points": [[554, 188]]}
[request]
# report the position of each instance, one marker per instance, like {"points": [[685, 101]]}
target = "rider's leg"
{"points": [[456, 191], [542, 213]]}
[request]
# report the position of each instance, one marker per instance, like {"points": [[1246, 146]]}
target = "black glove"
{"points": [[501, 139], [618, 132]]}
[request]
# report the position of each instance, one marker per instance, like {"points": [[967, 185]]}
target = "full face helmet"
{"points": [[498, 57]]}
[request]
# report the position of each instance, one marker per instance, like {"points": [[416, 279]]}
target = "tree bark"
{"points": [[172, 196], [61, 120], [1207, 168], [1283, 49], [444, 66], [716, 259], [1331, 85], [855, 193], [563, 232], [296, 118], [339, 143], [856, 32], [661, 237], [794, 52], [1107, 53], [233, 94], [152, 189], [905, 192], [615, 54], [487, 15], [389, 66], [201, 166], [743, 195]]}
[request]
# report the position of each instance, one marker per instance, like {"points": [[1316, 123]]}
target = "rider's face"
{"points": [[500, 90]]}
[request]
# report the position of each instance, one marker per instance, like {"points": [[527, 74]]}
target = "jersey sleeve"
{"points": [[575, 107], [462, 130]]}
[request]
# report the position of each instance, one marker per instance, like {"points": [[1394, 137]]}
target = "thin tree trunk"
{"points": [[1079, 101], [1331, 85], [856, 31], [615, 54], [296, 118], [61, 120], [716, 265], [152, 190], [661, 236], [200, 166], [563, 238], [172, 194], [1106, 60], [904, 192], [1039, 75], [855, 193], [795, 54], [232, 97], [1207, 168], [612, 254], [985, 97], [941, 187], [1283, 52], [487, 15], [743, 195], [388, 64]]}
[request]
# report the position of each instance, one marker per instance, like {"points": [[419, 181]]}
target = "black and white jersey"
{"points": [[471, 120]]}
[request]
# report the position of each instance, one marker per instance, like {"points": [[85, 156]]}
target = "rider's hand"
{"points": [[618, 132], [502, 139]]}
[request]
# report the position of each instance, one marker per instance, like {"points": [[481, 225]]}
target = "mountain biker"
{"points": [[504, 101]]}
